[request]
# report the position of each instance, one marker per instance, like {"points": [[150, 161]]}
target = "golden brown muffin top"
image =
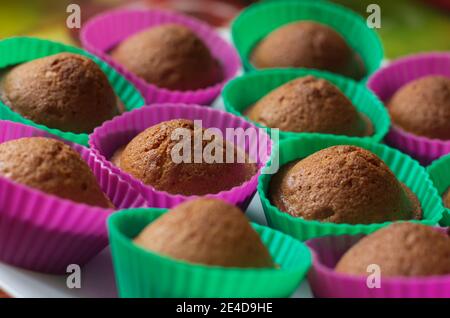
{"points": [[343, 184], [170, 56], [401, 249], [309, 104], [206, 231], [53, 167], [64, 91], [307, 44], [148, 157], [422, 107]]}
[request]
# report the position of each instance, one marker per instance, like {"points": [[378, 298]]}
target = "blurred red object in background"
{"points": [[445, 4], [217, 13]]}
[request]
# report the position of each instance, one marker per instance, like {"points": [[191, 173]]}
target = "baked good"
{"points": [[169, 56], [307, 44], [343, 184], [206, 231], [53, 167], [401, 249], [149, 158], [64, 91], [422, 107], [310, 104]]}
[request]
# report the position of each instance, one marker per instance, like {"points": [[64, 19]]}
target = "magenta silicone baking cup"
{"points": [[117, 132], [45, 233], [386, 81], [326, 283], [105, 31]]}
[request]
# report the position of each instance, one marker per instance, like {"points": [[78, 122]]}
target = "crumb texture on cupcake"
{"points": [[309, 104], [53, 167], [170, 56], [422, 107], [401, 249], [149, 158], [307, 44], [343, 184], [206, 231], [64, 91]]}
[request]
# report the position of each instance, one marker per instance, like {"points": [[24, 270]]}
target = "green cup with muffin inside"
{"points": [[306, 34], [300, 101], [202, 248], [439, 171], [60, 89], [335, 185]]}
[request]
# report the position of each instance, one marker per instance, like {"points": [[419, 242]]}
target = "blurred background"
{"points": [[408, 26]]}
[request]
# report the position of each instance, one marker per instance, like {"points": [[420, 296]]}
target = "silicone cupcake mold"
{"points": [[105, 31], [244, 91], [115, 133], [45, 233], [406, 170], [389, 79], [141, 273]]}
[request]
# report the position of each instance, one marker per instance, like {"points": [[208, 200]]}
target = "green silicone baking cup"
{"points": [[141, 273], [242, 92], [439, 171], [24, 49], [258, 20], [405, 168]]}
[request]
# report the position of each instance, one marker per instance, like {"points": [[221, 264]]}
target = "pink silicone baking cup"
{"points": [[105, 31], [45, 233], [386, 81], [326, 283], [117, 132]]}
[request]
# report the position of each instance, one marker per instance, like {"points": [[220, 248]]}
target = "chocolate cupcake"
{"points": [[343, 184], [307, 44], [422, 107], [53, 167], [149, 158], [402, 249], [206, 231], [310, 104], [170, 56], [65, 91]]}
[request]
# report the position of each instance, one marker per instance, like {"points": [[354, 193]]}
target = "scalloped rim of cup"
{"points": [[435, 165], [378, 135], [116, 170], [134, 78]]}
